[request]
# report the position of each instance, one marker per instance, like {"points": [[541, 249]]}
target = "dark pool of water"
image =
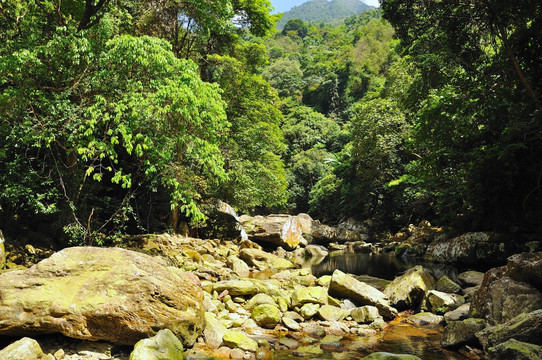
{"points": [[386, 266]]}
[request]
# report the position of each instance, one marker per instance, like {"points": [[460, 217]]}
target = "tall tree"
{"points": [[478, 119]]}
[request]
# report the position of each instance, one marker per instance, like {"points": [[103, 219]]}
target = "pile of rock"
{"points": [[505, 315], [231, 299]]}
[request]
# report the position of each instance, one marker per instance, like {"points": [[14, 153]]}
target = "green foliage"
{"points": [[305, 169], [477, 108], [91, 117], [254, 144], [196, 28], [285, 76], [296, 27]]}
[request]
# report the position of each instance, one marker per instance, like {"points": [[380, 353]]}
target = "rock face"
{"points": [[408, 290], [501, 298], [101, 294], [346, 286], [526, 267], [280, 230], [24, 349], [164, 345], [470, 248]]}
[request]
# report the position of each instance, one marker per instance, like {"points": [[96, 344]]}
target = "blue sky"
{"points": [[285, 5]]}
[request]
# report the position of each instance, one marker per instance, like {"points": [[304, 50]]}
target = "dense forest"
{"points": [[136, 116]]}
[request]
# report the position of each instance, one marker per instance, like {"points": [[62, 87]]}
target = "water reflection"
{"points": [[398, 338], [385, 266]]}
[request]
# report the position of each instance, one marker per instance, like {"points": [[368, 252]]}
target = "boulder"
{"points": [[447, 285], [500, 298], [280, 230], [95, 294], [312, 294], [164, 345], [262, 260], [440, 303], [222, 223], [525, 327], [349, 230], [408, 290], [214, 331], [459, 333], [259, 299], [517, 350], [24, 349], [238, 266], [390, 356], [331, 313], [526, 267], [425, 318], [461, 313], [309, 310], [365, 314], [248, 287], [266, 315], [345, 286], [470, 248], [236, 339], [291, 324], [316, 251], [470, 278]]}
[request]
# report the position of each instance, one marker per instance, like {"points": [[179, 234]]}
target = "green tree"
{"points": [[254, 144], [285, 76], [91, 118], [478, 115], [297, 27]]}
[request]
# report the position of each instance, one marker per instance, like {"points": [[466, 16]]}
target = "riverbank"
{"points": [[249, 303]]}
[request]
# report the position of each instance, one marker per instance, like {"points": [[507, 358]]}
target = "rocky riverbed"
{"points": [[169, 297]]}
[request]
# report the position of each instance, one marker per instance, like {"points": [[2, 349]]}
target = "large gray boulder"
{"points": [[526, 327], [526, 267], [94, 294], [280, 230], [501, 298], [408, 290], [345, 286], [470, 248]]}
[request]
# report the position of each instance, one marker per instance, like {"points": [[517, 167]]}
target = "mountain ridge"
{"points": [[324, 11]]}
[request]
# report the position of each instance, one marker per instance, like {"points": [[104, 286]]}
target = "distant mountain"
{"points": [[324, 11]]}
